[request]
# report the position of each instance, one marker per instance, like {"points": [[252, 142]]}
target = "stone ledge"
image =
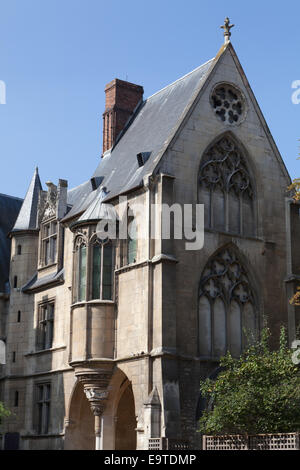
{"points": [[92, 302], [41, 436], [44, 351], [36, 374]]}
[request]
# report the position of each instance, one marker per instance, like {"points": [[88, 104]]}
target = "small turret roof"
{"points": [[97, 209], [27, 216]]}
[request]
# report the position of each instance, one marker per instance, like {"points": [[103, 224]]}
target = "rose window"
{"points": [[228, 103]]}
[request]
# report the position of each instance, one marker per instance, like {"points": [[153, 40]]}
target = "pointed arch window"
{"points": [[228, 318], [226, 189], [80, 271], [93, 269]]}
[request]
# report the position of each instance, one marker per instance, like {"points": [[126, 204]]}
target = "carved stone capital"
{"points": [[95, 388], [97, 398], [95, 380], [95, 394]]}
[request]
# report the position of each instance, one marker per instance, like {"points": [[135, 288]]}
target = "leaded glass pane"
{"points": [[107, 272], [82, 273], [96, 275]]}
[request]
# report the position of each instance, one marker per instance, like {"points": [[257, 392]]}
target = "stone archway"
{"points": [[80, 434], [125, 430]]}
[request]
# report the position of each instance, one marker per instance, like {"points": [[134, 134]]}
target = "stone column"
{"points": [[95, 389]]}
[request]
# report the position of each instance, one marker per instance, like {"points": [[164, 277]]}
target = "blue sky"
{"points": [[57, 55]]}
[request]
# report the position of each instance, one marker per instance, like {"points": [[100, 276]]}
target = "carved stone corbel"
{"points": [[95, 389], [97, 398]]}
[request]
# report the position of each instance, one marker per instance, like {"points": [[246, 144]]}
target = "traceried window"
{"points": [[45, 326], [226, 189], [93, 269], [49, 242], [102, 270], [228, 103], [43, 398], [227, 308]]}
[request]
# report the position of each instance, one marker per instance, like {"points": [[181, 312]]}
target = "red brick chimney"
{"points": [[121, 100]]}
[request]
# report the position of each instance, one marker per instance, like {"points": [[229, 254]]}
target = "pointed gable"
{"points": [[28, 214], [156, 125], [231, 55]]}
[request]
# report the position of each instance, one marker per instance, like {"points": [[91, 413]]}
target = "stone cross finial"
{"points": [[227, 27]]}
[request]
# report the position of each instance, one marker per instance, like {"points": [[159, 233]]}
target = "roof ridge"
{"points": [[181, 78], [11, 197]]}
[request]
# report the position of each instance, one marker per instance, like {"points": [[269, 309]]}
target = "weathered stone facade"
{"points": [[127, 368]]}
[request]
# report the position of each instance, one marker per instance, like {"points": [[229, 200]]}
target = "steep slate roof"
{"points": [[9, 209], [80, 198], [158, 117], [80, 193], [147, 132], [27, 216]]}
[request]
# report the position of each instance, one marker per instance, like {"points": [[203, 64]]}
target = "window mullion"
{"points": [[101, 271], [87, 272]]}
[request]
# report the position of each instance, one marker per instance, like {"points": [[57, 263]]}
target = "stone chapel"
{"points": [[107, 340]]}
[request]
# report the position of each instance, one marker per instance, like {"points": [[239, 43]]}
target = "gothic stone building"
{"points": [[106, 341]]}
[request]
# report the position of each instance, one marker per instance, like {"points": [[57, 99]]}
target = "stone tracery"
{"points": [[226, 189], [228, 103], [226, 306]]}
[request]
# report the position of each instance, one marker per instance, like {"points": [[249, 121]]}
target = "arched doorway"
{"points": [[80, 433], [125, 438]]}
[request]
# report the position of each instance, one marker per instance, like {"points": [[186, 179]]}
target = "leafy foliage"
{"points": [[4, 412], [295, 187], [295, 300], [257, 393]]}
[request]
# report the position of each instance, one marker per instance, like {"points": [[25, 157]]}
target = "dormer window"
{"points": [[49, 242]]}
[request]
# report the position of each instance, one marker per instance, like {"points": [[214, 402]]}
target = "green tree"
{"points": [[257, 393], [4, 412]]}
